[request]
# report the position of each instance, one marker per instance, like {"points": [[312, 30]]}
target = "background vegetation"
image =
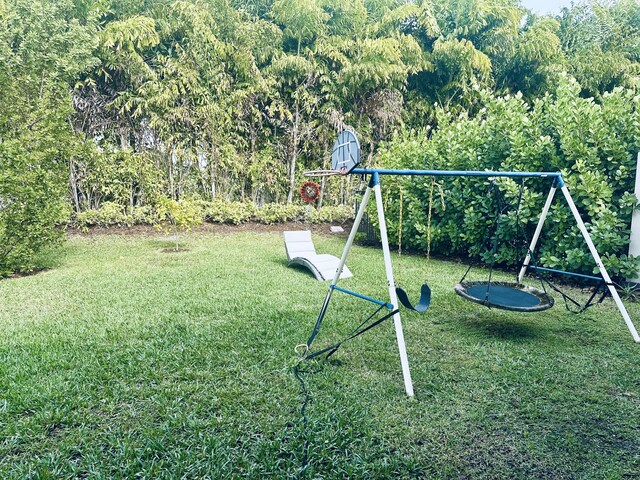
{"points": [[119, 105]]}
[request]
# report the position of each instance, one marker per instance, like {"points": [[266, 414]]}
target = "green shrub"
{"points": [[32, 204], [146, 215], [109, 214], [329, 214], [280, 212], [220, 211], [38, 66], [593, 144]]}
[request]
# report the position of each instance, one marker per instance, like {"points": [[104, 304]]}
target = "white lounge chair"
{"points": [[301, 251]]}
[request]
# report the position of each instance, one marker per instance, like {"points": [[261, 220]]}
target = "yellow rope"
{"points": [[400, 226], [441, 191], [301, 350]]}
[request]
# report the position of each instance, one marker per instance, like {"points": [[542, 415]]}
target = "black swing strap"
{"points": [[499, 210], [589, 303], [568, 299], [359, 330]]}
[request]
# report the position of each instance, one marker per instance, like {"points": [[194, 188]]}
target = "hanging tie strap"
{"points": [[359, 330], [570, 303]]}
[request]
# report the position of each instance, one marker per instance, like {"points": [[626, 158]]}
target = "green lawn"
{"points": [[123, 361]]}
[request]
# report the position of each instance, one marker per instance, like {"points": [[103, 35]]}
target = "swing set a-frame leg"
{"points": [[404, 359], [559, 183], [600, 265], [374, 186], [343, 260]]}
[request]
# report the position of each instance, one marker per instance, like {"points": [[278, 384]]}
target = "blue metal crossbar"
{"points": [[563, 272], [364, 297], [454, 173]]}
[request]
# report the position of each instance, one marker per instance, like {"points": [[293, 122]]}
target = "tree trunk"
{"points": [[171, 190], [180, 179], [73, 184], [124, 138], [212, 173], [322, 184], [294, 155]]}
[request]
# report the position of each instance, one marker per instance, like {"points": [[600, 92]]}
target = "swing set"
{"points": [[513, 296]]}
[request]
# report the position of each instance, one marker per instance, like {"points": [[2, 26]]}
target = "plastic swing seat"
{"points": [[423, 304], [505, 295]]}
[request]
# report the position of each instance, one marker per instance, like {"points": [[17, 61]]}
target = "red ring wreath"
{"points": [[309, 191]]}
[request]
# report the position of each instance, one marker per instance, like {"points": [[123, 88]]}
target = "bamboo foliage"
{"points": [[235, 99]]}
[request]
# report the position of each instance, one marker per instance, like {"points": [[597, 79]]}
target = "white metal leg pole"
{"points": [[536, 234], [634, 240], [404, 360], [343, 259], [352, 234], [598, 260]]}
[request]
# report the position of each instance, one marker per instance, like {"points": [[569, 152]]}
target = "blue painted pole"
{"points": [[563, 272], [364, 297], [455, 173]]}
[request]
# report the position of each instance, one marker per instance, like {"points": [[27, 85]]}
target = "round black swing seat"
{"points": [[505, 295]]}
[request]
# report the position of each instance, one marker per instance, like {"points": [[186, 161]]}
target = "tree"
{"points": [[535, 61], [177, 217], [600, 42], [43, 49]]}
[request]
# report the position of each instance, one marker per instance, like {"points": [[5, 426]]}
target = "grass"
{"points": [[123, 361]]}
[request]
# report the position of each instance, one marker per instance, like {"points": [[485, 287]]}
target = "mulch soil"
{"points": [[217, 228]]}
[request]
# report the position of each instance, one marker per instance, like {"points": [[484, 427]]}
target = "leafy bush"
{"points": [[112, 214], [109, 214], [142, 216], [278, 212], [178, 216], [37, 67], [32, 204], [119, 176], [220, 211], [329, 214], [593, 144]]}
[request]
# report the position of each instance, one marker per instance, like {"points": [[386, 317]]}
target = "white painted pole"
{"points": [[343, 259], [634, 241], [404, 360], [536, 234], [352, 235], [599, 264]]}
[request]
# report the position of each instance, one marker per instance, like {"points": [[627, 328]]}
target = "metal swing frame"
{"points": [[374, 176]]}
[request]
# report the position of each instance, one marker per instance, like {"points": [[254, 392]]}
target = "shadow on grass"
{"points": [[167, 245], [48, 259], [502, 328], [296, 269]]}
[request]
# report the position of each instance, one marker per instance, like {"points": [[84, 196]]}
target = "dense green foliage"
{"points": [[42, 49], [232, 99], [136, 102], [593, 144], [126, 362]]}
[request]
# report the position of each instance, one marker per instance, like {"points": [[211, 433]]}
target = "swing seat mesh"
{"points": [[505, 295]]}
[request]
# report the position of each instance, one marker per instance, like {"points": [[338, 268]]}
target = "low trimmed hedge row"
{"points": [[219, 211]]}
